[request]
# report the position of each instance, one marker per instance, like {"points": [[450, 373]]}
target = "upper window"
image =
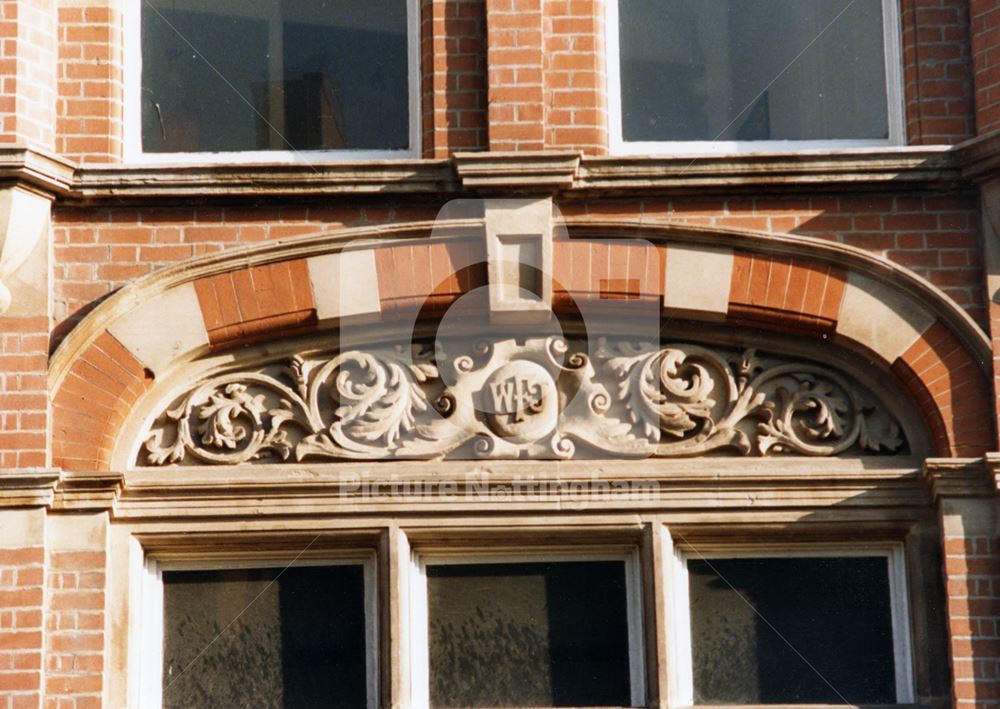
{"points": [[542, 633], [794, 628], [270, 78], [746, 75], [260, 635]]}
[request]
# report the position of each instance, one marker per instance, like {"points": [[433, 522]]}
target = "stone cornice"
{"points": [[88, 491], [36, 170], [789, 487], [517, 172], [961, 477], [27, 488], [980, 157], [885, 168], [992, 462], [565, 173], [130, 183], [776, 489]]}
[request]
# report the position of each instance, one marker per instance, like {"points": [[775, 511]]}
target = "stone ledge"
{"points": [[28, 488], [542, 172], [961, 477], [907, 167], [980, 157], [567, 174], [44, 172], [125, 182]]}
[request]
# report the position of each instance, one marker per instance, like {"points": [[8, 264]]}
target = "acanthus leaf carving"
{"points": [[540, 397]]}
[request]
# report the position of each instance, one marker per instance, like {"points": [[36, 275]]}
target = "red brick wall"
{"points": [[27, 67], [972, 570], [90, 84], [986, 59], [937, 71], [576, 107], [515, 60], [22, 585], [23, 392], [453, 62], [74, 644]]}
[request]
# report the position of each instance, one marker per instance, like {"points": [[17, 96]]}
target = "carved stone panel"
{"points": [[542, 397]]}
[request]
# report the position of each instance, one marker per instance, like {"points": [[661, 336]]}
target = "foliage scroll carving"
{"points": [[543, 397]]}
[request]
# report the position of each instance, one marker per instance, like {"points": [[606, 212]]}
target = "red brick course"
{"points": [[27, 65], [985, 23], [576, 107], [22, 589], [515, 59], [453, 66], [937, 71], [24, 364], [91, 84], [972, 578], [75, 621]]}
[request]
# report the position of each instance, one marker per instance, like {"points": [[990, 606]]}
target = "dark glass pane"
{"points": [[274, 75], [831, 613], [298, 642], [703, 70], [534, 634]]}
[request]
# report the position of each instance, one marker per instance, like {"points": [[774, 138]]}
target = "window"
{"points": [[541, 633], [270, 79], [259, 635], [797, 628], [746, 75]]}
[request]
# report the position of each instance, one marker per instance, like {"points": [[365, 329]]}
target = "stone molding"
{"points": [[962, 477], [518, 172], [980, 157], [545, 172], [779, 490]]}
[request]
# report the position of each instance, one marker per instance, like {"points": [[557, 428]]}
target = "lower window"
{"points": [[537, 633], [798, 628], [298, 636]]}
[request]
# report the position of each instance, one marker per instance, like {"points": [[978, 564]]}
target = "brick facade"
{"points": [[22, 589], [523, 86], [972, 568]]}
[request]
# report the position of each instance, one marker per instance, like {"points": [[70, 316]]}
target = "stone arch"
{"points": [[794, 285]]}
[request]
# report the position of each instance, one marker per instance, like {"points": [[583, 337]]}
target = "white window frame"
{"points": [[892, 33], [419, 641], [147, 637], [680, 640], [134, 154]]}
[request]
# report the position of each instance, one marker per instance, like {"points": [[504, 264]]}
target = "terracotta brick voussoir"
{"points": [[256, 303], [786, 291], [950, 390], [94, 400]]}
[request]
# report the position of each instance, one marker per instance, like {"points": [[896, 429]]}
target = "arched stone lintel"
{"points": [[796, 285]]}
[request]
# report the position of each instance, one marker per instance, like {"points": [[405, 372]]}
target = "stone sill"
{"points": [[565, 174]]}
